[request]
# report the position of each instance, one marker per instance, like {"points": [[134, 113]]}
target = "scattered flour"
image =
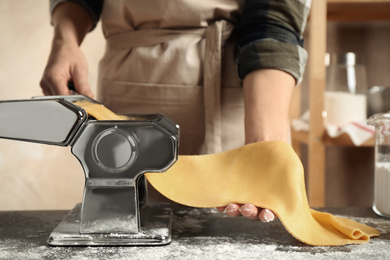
{"points": [[201, 234], [196, 248]]}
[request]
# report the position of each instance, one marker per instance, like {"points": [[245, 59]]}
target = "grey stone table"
{"points": [[197, 234]]}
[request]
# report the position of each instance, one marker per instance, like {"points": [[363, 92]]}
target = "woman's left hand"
{"points": [[267, 98], [249, 211]]}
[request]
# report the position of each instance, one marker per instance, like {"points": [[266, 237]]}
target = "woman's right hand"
{"points": [[66, 63]]}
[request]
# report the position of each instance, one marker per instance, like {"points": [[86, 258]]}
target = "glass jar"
{"points": [[381, 203], [378, 100], [346, 86]]}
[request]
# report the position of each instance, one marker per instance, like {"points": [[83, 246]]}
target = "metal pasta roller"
{"points": [[114, 156]]}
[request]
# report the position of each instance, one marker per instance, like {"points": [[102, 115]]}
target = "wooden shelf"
{"points": [[316, 138], [342, 140], [357, 1], [358, 10]]}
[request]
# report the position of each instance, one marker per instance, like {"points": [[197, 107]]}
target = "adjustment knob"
{"points": [[114, 150]]}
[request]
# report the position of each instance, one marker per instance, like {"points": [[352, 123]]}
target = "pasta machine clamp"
{"points": [[114, 155]]}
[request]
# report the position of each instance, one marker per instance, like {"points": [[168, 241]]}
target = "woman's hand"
{"points": [[267, 97], [249, 211], [66, 62]]}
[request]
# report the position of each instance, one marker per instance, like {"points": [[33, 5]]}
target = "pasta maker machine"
{"points": [[114, 155]]}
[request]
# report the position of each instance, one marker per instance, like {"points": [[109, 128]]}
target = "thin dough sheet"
{"points": [[268, 175]]}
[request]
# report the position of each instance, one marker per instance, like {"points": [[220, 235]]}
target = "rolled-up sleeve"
{"points": [[93, 7], [270, 36]]}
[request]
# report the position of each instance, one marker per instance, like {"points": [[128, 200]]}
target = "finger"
{"points": [[221, 209], [249, 211], [80, 80], [46, 93], [60, 88], [84, 89], [54, 86], [267, 215], [233, 210], [45, 90]]}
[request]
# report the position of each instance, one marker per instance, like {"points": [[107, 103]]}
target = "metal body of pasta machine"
{"points": [[114, 155]]}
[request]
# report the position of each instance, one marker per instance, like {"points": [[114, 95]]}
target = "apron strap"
{"points": [[147, 37], [216, 36]]}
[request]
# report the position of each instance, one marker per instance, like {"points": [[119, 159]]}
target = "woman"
{"points": [[224, 70]]}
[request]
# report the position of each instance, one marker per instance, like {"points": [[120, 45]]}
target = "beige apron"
{"points": [[175, 57]]}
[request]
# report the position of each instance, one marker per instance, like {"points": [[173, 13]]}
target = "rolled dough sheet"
{"points": [[266, 174]]}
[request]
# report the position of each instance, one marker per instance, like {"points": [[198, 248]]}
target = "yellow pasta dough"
{"points": [[266, 174], [98, 111]]}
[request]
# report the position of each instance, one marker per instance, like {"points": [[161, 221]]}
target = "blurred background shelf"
{"points": [[358, 10], [342, 140], [316, 139]]}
